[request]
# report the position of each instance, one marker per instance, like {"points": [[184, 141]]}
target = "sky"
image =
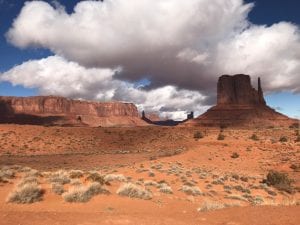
{"points": [[165, 55]]}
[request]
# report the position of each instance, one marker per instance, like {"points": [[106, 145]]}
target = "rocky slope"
{"points": [[53, 110], [239, 104]]}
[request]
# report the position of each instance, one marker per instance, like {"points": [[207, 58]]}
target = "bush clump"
{"points": [[280, 181], [96, 177], [134, 191], [84, 193], [191, 190], [235, 155], [27, 193], [221, 137], [57, 188], [283, 139], [254, 137], [198, 135]]}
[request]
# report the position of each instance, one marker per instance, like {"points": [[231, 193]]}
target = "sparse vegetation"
{"points": [[27, 193], [254, 137], [280, 181], [209, 206], [134, 191], [96, 177], [115, 177], [61, 177], [283, 139], [198, 135], [221, 137], [84, 193], [165, 188], [57, 188], [191, 190], [235, 155], [75, 174]]}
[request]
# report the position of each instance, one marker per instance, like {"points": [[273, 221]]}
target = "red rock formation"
{"points": [[239, 104], [61, 111]]}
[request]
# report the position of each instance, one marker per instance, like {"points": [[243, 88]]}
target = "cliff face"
{"points": [[67, 111], [237, 90], [239, 104]]}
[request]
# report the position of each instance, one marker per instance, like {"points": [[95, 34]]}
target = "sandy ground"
{"points": [[169, 155]]}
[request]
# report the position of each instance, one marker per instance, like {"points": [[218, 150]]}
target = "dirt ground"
{"points": [[228, 174]]}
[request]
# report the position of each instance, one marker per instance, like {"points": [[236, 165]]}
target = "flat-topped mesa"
{"points": [[60, 110], [237, 90]]}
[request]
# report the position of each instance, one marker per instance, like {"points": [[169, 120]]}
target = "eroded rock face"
{"points": [[239, 104], [237, 90], [63, 110]]}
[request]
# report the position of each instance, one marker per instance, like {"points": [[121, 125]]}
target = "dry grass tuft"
{"points": [[27, 193], [115, 177], [191, 190], [61, 177], [57, 188], [134, 191], [84, 193]]}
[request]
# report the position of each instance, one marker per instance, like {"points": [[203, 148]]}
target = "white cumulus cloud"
{"points": [[56, 76], [181, 46]]}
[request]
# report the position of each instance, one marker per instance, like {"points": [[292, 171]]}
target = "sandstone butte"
{"points": [[53, 110], [239, 104]]}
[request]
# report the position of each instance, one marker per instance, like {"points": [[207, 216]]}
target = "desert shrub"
{"points": [[75, 182], [134, 191], [75, 174], [295, 167], [254, 137], [77, 194], [209, 206], [96, 177], [221, 137], [96, 188], [198, 135], [32, 173], [235, 155], [164, 188], [115, 177], [150, 183], [83, 193], [191, 190], [28, 180], [283, 139], [6, 173], [280, 181], [60, 177], [57, 188], [28, 193]]}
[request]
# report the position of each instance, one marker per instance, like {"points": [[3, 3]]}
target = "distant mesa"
{"points": [[53, 110], [239, 104]]}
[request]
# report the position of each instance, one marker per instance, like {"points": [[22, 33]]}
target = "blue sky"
{"points": [[265, 12]]}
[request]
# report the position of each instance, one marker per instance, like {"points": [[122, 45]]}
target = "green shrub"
{"points": [[283, 139], [235, 155], [254, 137], [221, 137], [198, 135], [280, 181]]}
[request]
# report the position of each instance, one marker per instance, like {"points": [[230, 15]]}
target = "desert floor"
{"points": [[186, 180]]}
